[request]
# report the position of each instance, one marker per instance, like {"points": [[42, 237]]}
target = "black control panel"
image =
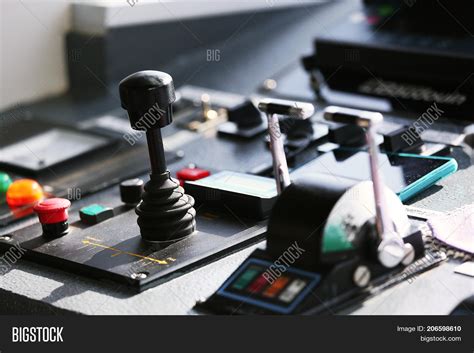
{"points": [[377, 51]]}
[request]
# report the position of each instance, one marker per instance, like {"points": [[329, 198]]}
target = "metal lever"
{"points": [[273, 108], [392, 249]]}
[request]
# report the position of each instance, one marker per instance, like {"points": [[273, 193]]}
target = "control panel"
{"points": [[176, 179]]}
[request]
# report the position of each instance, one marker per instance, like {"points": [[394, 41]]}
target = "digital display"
{"points": [[241, 183], [49, 148], [399, 171], [257, 284]]}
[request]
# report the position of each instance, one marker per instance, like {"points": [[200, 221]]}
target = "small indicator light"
{"points": [[5, 182], [24, 192], [385, 10], [276, 287], [258, 285], [373, 20], [292, 290], [245, 278]]}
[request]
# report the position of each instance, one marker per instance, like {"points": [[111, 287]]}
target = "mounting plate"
{"points": [[114, 250]]}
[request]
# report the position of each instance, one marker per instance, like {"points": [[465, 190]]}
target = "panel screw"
{"points": [[409, 256], [269, 84], [361, 276], [139, 275]]}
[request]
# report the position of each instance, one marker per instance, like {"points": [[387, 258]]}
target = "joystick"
{"points": [[165, 212]]}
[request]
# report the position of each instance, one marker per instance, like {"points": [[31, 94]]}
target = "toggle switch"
{"points": [[205, 118]]}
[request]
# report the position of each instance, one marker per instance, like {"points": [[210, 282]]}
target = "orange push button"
{"points": [[24, 192]]}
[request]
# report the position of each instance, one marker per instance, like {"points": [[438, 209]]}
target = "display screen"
{"points": [[259, 283], [241, 183], [49, 148], [399, 171]]}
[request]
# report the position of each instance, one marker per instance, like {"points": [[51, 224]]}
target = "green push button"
{"points": [[95, 213], [245, 278], [5, 182]]}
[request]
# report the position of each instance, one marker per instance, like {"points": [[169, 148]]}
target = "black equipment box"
{"points": [[413, 56]]}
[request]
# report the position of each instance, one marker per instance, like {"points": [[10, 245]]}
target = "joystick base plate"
{"points": [[113, 250]]}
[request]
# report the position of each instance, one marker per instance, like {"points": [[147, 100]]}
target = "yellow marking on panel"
{"points": [[93, 238], [209, 215], [161, 262]]}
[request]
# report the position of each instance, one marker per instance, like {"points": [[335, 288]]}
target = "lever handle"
{"points": [[273, 108], [391, 248]]}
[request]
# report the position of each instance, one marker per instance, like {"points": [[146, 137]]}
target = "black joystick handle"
{"points": [[148, 97], [165, 213]]}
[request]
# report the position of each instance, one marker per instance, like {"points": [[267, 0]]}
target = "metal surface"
{"points": [[156, 151], [113, 250], [274, 108], [280, 167]]}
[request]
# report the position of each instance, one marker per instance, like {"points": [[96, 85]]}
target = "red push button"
{"points": [[52, 211], [191, 174]]}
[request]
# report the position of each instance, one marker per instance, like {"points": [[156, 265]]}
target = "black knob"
{"points": [[245, 115], [147, 96], [404, 139], [165, 212], [469, 135], [346, 134], [131, 191], [299, 133]]}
